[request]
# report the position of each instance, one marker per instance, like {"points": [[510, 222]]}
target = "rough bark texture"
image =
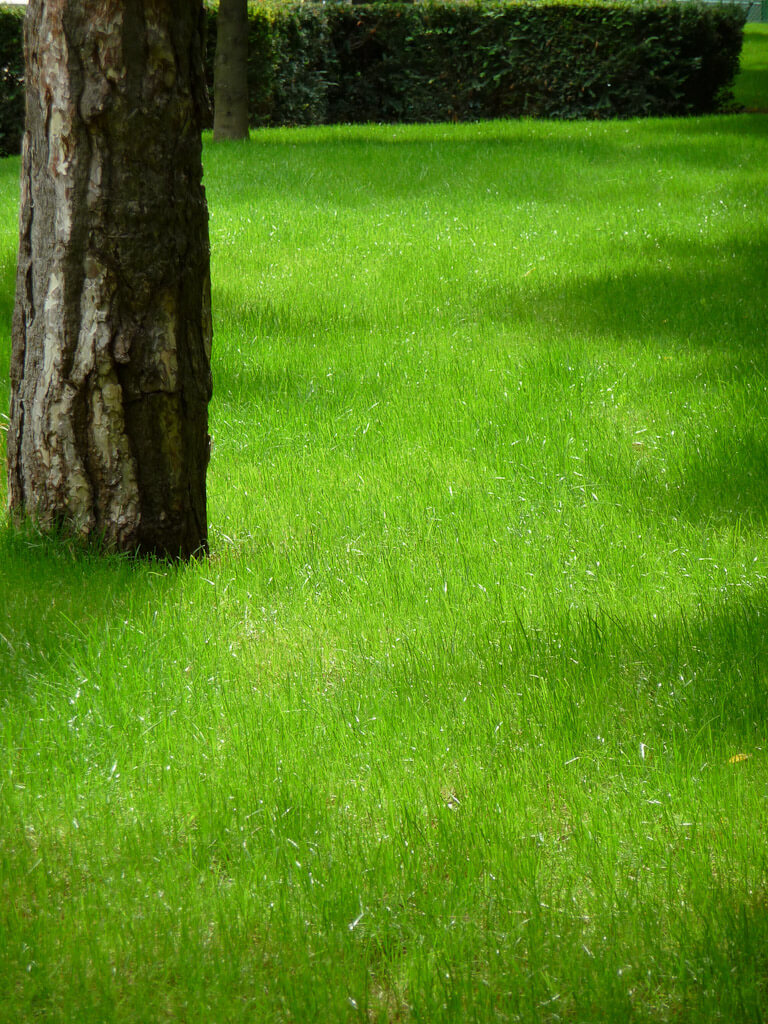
{"points": [[110, 370], [230, 73]]}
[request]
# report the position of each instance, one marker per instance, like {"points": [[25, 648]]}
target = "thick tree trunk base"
{"points": [[110, 372]]}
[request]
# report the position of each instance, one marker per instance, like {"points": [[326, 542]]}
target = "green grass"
{"points": [[443, 729], [751, 86]]}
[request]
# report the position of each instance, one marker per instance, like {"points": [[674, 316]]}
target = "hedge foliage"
{"points": [[313, 63], [316, 63], [11, 79]]}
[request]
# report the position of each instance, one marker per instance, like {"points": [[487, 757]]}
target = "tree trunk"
{"points": [[110, 369], [230, 73]]}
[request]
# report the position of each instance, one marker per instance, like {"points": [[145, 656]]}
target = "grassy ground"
{"points": [[751, 88], [465, 717]]}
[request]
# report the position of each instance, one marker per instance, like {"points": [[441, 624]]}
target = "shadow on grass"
{"points": [[55, 594], [753, 91], [751, 86], [249, 378], [714, 664], [676, 673], [693, 292], [725, 481], [700, 298], [704, 295]]}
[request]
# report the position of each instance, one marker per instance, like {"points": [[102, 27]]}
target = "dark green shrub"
{"points": [[300, 66], [462, 61], [11, 79]]}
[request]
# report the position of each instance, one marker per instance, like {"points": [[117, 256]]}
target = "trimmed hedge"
{"points": [[315, 63], [326, 63]]}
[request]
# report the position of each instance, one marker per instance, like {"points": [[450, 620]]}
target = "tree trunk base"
{"points": [[110, 370]]}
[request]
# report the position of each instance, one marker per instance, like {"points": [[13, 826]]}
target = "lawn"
{"points": [[464, 719], [751, 88]]}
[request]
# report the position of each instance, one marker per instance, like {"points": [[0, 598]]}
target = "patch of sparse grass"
{"points": [[464, 719]]}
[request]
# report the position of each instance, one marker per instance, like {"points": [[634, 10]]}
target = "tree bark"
{"points": [[230, 73], [110, 369]]}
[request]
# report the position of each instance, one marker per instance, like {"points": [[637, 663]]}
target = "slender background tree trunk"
{"points": [[110, 372], [230, 73]]}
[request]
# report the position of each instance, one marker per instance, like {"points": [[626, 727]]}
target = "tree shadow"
{"points": [[751, 86], [248, 379], [693, 670], [693, 292], [721, 480], [723, 651], [56, 594], [698, 297]]}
